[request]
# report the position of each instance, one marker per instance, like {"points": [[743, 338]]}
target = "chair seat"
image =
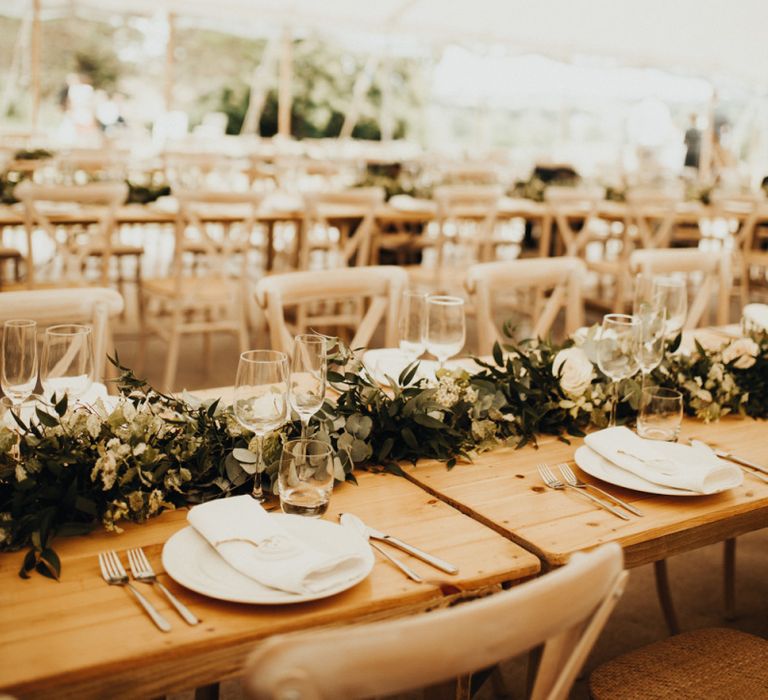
{"points": [[118, 249], [8, 253], [192, 290], [717, 664]]}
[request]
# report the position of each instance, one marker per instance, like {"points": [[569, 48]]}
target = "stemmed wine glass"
{"points": [[445, 331], [650, 346], [412, 324], [617, 352], [308, 371], [261, 400], [19, 374], [66, 365]]}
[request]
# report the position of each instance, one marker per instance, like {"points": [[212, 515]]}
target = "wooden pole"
{"points": [[34, 48], [359, 91], [259, 85], [285, 87], [170, 50]]}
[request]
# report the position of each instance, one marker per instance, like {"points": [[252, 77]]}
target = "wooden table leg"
{"points": [[665, 596]]}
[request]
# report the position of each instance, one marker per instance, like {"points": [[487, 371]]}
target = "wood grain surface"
{"points": [[82, 638], [502, 488]]}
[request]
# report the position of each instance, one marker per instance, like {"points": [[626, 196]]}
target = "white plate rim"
{"points": [[597, 466], [173, 564]]}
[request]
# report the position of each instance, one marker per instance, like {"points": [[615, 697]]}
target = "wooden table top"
{"points": [[502, 488], [82, 638]]}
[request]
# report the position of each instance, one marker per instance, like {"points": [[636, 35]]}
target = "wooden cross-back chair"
{"points": [[80, 222], [562, 277], [564, 610], [746, 210], [205, 292], [322, 212], [569, 204], [714, 267], [91, 305], [653, 211], [340, 298]]}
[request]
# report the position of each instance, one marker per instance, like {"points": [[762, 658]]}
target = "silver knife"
{"points": [[410, 549], [723, 454], [415, 551]]}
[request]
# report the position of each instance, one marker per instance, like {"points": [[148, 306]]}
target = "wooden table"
{"points": [[83, 639], [502, 489]]}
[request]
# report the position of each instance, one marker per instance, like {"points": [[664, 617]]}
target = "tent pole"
{"points": [[285, 87], [359, 90], [170, 51], [34, 62], [258, 92]]}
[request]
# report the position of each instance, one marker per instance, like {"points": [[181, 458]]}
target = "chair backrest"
{"points": [[565, 610], [562, 275], [580, 202], [322, 207], [47, 205], [715, 266], [476, 203], [382, 285], [653, 210], [746, 208], [91, 305]]}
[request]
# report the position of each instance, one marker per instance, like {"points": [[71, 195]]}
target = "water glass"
{"points": [[412, 323], [617, 352], [661, 414], [19, 374], [308, 377], [650, 348], [66, 365], [445, 331], [261, 400], [305, 477]]}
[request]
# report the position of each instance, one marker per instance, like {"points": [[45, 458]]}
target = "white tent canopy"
{"points": [[708, 38]]}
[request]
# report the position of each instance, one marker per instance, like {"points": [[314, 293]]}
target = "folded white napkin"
{"points": [[254, 543], [702, 471]]}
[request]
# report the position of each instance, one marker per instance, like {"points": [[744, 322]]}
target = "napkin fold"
{"points": [[254, 543], [701, 470]]}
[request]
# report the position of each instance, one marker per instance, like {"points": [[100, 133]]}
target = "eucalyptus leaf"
{"points": [[245, 456]]}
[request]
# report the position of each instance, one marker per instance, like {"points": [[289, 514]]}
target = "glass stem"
{"points": [[614, 403], [258, 492], [304, 426]]}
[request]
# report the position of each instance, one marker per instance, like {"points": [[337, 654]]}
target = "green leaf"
{"points": [[46, 418], [410, 438], [29, 563], [49, 564], [211, 412], [61, 405], [408, 373], [498, 355], [245, 456], [429, 421]]}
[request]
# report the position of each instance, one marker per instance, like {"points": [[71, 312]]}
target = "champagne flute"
{"points": [[261, 400], [445, 332], [670, 294], [66, 365], [19, 374], [650, 346], [617, 353], [412, 324], [308, 371]]}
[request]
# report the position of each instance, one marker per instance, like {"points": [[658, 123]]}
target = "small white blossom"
{"points": [[470, 394], [741, 353], [93, 425], [21, 473]]}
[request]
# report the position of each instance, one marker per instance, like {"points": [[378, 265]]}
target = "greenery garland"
{"points": [[72, 467]]}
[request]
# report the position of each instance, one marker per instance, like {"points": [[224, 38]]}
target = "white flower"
{"points": [[93, 425], [575, 370], [21, 473], [448, 392], [470, 394], [741, 353]]}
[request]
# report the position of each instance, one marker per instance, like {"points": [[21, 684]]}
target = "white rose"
{"points": [[575, 370], [741, 353]]}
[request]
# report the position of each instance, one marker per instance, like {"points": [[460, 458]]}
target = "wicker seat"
{"points": [[717, 664]]}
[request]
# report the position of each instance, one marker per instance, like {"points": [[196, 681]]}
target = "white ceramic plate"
{"points": [[599, 467], [383, 362], [189, 560]]}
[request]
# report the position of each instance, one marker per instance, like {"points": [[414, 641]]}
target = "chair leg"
{"points": [[729, 578], [665, 596], [172, 359]]}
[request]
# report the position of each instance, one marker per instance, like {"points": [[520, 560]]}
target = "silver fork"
{"points": [[113, 573], [571, 479], [554, 483], [142, 571]]}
